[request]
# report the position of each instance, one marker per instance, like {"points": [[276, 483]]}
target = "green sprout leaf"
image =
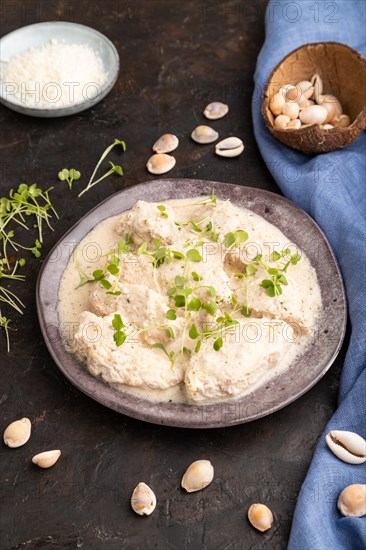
{"points": [[194, 305], [98, 274], [218, 344], [193, 255], [193, 332], [113, 269], [170, 332], [251, 270], [275, 256], [171, 314], [105, 283], [196, 277], [211, 308]]}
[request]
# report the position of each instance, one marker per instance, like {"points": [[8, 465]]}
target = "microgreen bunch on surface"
{"points": [[28, 207]]}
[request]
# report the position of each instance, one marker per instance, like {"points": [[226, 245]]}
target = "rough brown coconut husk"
{"points": [[343, 71]]}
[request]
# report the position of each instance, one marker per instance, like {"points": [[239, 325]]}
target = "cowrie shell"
{"points": [[352, 501], [17, 433], [143, 500], [229, 147], [47, 458], [197, 476], [348, 446]]}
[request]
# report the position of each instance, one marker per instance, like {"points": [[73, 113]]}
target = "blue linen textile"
{"points": [[331, 188]]}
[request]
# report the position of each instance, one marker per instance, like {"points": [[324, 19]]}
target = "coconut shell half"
{"points": [[343, 71]]}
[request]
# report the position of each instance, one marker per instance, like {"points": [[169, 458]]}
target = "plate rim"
{"points": [[17, 105], [170, 417]]}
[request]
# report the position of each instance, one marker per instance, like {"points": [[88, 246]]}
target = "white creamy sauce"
{"points": [[252, 351]]}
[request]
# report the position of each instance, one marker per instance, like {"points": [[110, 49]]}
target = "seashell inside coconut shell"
{"points": [[343, 71]]}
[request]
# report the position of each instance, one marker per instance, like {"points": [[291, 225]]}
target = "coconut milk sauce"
{"points": [[89, 254]]}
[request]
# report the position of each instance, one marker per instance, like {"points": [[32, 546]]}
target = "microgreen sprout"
{"points": [[69, 175], [162, 210], [114, 168], [232, 238], [224, 324], [4, 324], [119, 335], [170, 355]]}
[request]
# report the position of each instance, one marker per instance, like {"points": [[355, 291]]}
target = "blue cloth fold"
{"points": [[331, 188]]}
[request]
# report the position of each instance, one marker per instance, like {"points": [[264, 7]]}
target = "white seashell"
{"points": [[315, 114], [143, 500], [216, 110], [332, 105], [306, 87], [17, 433], [197, 476], [352, 501], [303, 104], [229, 147], [46, 459], [260, 516], [160, 163], [281, 121], [295, 124], [289, 92], [276, 104], [317, 82], [342, 122], [204, 134], [328, 127], [348, 446], [166, 144], [291, 109]]}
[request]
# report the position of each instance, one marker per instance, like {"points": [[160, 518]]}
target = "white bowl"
{"points": [[35, 36]]}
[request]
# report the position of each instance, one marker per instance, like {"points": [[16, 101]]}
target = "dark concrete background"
{"points": [[175, 57]]}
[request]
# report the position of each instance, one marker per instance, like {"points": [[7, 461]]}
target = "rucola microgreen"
{"points": [[114, 168], [69, 175]]}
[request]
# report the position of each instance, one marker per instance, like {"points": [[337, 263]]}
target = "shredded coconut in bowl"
{"points": [[54, 75]]}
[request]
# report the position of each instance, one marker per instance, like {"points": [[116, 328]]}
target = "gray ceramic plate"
{"points": [[39, 34], [277, 393]]}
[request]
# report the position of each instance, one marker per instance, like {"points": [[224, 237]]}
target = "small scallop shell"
{"points": [[348, 446], [352, 501], [260, 516], [197, 476], [166, 144], [143, 500], [17, 433], [204, 134], [216, 110], [160, 163], [229, 147], [315, 114], [46, 459]]}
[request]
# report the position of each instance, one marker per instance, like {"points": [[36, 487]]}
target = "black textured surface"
{"points": [[175, 58]]}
